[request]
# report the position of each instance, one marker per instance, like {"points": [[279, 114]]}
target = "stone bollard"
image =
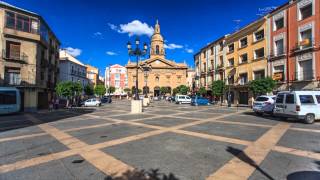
{"points": [[136, 106]]}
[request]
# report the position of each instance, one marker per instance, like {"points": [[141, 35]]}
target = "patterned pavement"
{"points": [[167, 141]]}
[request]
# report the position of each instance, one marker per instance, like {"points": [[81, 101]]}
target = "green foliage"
{"points": [[165, 90], [133, 90], [139, 91], [183, 89], [111, 89], [262, 86], [68, 89], [100, 90], [202, 91], [127, 90], [88, 90], [175, 91], [218, 88]]}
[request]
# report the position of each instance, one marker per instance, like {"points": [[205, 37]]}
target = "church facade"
{"points": [[163, 72]]}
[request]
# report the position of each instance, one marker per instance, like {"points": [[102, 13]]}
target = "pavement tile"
{"points": [[186, 157], [107, 133], [250, 118], [21, 132], [81, 123], [248, 133], [16, 150], [199, 116], [308, 141], [285, 166], [169, 112], [63, 169], [306, 126], [167, 121], [132, 116]]}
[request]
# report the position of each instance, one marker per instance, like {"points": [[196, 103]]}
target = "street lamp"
{"points": [[146, 69], [137, 52]]}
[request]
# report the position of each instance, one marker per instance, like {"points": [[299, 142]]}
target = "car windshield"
{"points": [[262, 99]]}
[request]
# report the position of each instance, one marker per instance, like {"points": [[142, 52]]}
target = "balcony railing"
{"points": [[305, 75], [20, 57], [18, 81], [304, 45], [277, 54]]}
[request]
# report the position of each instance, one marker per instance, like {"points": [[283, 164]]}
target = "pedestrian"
{"points": [[50, 105], [56, 103]]}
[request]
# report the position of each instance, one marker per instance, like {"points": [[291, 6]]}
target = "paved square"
{"points": [[181, 141]]}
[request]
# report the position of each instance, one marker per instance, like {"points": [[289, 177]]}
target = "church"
{"points": [[163, 72]]}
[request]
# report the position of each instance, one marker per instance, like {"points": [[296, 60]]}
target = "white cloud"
{"points": [[98, 35], [135, 27], [73, 51], [111, 53], [188, 50], [172, 46]]}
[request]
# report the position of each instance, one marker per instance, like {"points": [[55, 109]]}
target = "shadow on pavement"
{"points": [[243, 157], [152, 174], [20, 120]]}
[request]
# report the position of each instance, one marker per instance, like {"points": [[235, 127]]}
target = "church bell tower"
{"points": [[157, 43]]}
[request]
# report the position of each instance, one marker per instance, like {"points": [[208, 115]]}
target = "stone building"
{"points": [[116, 76], [164, 72], [30, 56]]}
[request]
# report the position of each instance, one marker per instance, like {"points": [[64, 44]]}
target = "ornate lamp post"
{"points": [[138, 53], [146, 69]]}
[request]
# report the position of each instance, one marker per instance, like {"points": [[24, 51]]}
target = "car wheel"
{"points": [[180, 102], [309, 119], [259, 113]]}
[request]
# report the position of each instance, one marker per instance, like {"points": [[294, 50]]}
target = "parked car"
{"points": [[198, 101], [156, 98], [106, 99], [264, 104], [92, 102], [302, 105], [183, 99]]}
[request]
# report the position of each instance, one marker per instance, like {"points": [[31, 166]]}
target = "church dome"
{"points": [[157, 37]]}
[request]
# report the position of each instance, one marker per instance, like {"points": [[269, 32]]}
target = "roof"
{"points": [[64, 55], [17, 8]]}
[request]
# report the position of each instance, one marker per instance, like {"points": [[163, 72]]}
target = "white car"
{"points": [[264, 104], [302, 105], [92, 102], [183, 99]]}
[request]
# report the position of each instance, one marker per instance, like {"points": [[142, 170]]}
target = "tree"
{"points": [[111, 89], [100, 90], [175, 91], [68, 89], [77, 88], [165, 90], [262, 86], [218, 88], [88, 90], [183, 90], [127, 90], [202, 91]]}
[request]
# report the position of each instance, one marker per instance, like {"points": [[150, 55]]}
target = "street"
{"points": [[166, 141]]}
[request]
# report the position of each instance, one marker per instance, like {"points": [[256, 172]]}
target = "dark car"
{"points": [[106, 99], [198, 101]]}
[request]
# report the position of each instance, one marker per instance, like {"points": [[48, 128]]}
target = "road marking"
{"points": [[22, 137], [297, 152], [242, 166]]}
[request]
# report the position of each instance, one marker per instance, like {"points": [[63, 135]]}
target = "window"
{"points": [[8, 97], [279, 47], [243, 42], [117, 76], [12, 76], [221, 45], [211, 49], [278, 74], [231, 80], [23, 23], [279, 23], [280, 98], [259, 35], [262, 99], [306, 99], [10, 20], [259, 74], [305, 11], [259, 53], [289, 99], [13, 50], [306, 38], [204, 54], [243, 78], [231, 62], [231, 48], [305, 70], [244, 58], [157, 79], [157, 50], [318, 98]]}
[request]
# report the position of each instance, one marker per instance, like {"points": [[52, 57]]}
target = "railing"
{"points": [[18, 81], [21, 57], [305, 75], [78, 73], [275, 54], [303, 45]]}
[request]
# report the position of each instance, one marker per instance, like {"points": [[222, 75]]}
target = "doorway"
{"points": [[156, 91], [244, 98]]}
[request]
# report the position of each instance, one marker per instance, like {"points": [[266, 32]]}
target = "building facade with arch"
{"points": [[163, 72]]}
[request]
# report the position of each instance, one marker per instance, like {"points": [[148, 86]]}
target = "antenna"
{"points": [[237, 21]]}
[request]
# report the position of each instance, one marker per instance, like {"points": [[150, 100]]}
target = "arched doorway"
{"points": [[169, 90], [145, 90], [156, 91]]}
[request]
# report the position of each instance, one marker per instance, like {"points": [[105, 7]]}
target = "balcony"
{"points": [[20, 58], [220, 67], [304, 46], [277, 55], [18, 81]]}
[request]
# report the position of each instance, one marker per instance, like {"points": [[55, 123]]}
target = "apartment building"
{"points": [[71, 69], [246, 60], [116, 76], [92, 75], [30, 56], [209, 64], [294, 59]]}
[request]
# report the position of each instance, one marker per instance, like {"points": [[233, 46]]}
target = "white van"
{"points": [[303, 105], [183, 99]]}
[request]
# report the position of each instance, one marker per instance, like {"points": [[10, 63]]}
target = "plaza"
{"points": [[165, 141]]}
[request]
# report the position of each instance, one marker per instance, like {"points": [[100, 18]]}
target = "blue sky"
{"points": [[98, 30]]}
